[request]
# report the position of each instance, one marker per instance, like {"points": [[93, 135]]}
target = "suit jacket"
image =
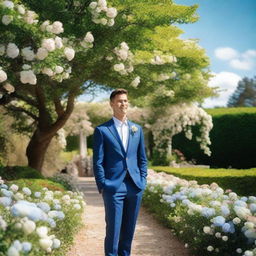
{"points": [[111, 161]]}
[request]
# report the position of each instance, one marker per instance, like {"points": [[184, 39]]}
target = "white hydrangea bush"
{"points": [[210, 220], [31, 221]]}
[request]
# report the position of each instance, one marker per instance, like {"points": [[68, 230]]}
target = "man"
{"points": [[120, 169]]}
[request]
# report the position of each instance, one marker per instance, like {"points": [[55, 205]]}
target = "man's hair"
{"points": [[116, 92]]}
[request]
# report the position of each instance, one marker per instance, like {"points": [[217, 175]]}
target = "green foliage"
{"points": [[67, 181], [19, 172], [240, 181], [233, 139]]}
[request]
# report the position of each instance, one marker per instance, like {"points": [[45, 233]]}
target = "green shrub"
{"points": [[233, 139], [19, 172], [241, 181]]}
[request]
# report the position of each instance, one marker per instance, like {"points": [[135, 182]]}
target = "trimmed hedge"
{"points": [[240, 181], [19, 172], [233, 139]]}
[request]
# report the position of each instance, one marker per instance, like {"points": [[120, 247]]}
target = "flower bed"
{"points": [[37, 217], [209, 220], [242, 181]]}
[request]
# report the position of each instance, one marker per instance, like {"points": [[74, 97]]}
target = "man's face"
{"points": [[119, 104]]}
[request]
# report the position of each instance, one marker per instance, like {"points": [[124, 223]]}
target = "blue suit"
{"points": [[121, 178]]}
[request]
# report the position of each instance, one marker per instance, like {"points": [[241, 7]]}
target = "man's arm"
{"points": [[142, 157], [98, 158]]}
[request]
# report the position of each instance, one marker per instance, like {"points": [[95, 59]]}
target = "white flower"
{"points": [[28, 77], [93, 5], [77, 206], [28, 53], [42, 232], [44, 25], [42, 53], [12, 50], [58, 42], [135, 82], [30, 17], [3, 224], [3, 76], [26, 191], [2, 49], [239, 250], [89, 37], [103, 21], [26, 247], [248, 253], [69, 53], [59, 69], [119, 67], [124, 46], [242, 212], [48, 71], [111, 22], [45, 243], [21, 9], [7, 19], [210, 248], [102, 3], [123, 54], [28, 227], [207, 230], [18, 196], [236, 221], [56, 243], [134, 128], [57, 27], [26, 67], [9, 88], [225, 238], [8, 4], [12, 251], [48, 44], [111, 12], [37, 194]]}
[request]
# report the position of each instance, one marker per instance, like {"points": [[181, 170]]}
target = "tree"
{"points": [[53, 51], [245, 94]]}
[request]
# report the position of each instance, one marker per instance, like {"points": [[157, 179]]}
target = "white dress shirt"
{"points": [[123, 131]]}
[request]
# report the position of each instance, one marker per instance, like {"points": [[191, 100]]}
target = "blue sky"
{"points": [[227, 31]]}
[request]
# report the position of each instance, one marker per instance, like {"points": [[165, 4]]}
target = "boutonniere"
{"points": [[134, 128]]}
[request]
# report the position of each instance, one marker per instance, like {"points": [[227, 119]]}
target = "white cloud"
{"points": [[227, 83], [226, 53], [241, 61], [246, 64]]}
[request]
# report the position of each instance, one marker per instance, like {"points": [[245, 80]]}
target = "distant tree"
{"points": [[245, 94]]}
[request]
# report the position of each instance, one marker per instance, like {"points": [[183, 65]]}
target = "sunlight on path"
{"points": [[151, 238]]}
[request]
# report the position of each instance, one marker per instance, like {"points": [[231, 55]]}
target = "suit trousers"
{"points": [[121, 212]]}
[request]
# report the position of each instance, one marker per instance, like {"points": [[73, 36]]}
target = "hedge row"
{"points": [[240, 181], [233, 139]]}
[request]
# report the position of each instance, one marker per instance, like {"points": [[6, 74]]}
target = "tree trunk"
{"points": [[37, 148]]}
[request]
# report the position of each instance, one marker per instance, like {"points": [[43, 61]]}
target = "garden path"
{"points": [[151, 238]]}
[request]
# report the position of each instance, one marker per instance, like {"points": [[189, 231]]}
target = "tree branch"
{"points": [[20, 109]]}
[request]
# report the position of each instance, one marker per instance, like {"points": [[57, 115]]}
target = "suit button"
{"points": [[126, 158]]}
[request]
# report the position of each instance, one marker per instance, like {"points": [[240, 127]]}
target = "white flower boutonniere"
{"points": [[134, 128]]}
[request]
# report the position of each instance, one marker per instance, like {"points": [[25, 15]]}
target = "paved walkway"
{"points": [[151, 238]]}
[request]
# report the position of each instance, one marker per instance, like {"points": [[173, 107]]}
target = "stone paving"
{"points": [[151, 238]]}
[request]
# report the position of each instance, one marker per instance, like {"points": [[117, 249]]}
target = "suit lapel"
{"points": [[129, 135], [114, 132]]}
